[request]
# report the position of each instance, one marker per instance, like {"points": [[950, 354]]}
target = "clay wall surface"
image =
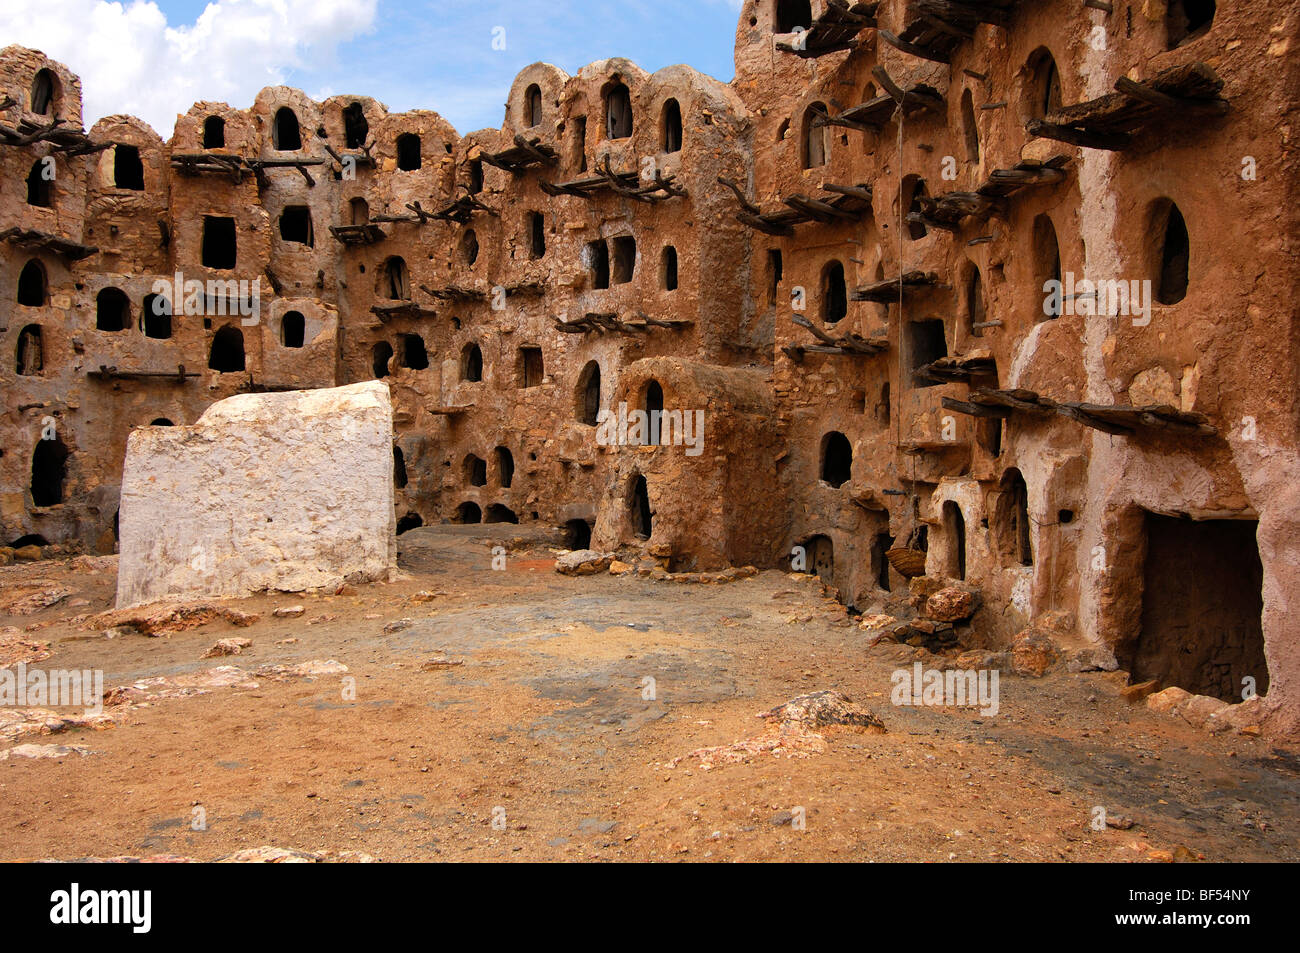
{"points": [[1042, 505]]}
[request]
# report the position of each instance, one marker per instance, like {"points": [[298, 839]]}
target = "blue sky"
{"points": [[421, 54]]}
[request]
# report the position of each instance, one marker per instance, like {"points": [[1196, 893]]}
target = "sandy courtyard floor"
{"points": [[506, 720]]}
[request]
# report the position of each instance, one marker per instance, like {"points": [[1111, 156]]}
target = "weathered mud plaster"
{"points": [[286, 492], [545, 291]]}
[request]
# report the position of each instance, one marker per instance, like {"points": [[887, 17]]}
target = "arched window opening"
{"points": [[408, 522], [156, 317], [468, 512], [128, 169], [671, 127], [1047, 265], [395, 281], [618, 112], [536, 235], [359, 211], [45, 89], [293, 329], [668, 269], [380, 355], [835, 295], [499, 513], [533, 106], [475, 185], [285, 134], [295, 225], [1011, 518], [49, 471], [161, 422], [408, 152], [793, 13], [969, 128], [652, 402], [1044, 85], [355, 126], [505, 462], [474, 470], [471, 363], [40, 183], [414, 354], [1174, 253], [1188, 20], [954, 525], [227, 355], [30, 358], [837, 459], [589, 394], [31, 285], [816, 136], [112, 310], [469, 246], [214, 133], [639, 508]]}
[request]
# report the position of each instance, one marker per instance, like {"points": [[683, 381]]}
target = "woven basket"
{"points": [[908, 562]]}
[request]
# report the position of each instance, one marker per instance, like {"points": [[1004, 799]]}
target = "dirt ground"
{"points": [[542, 727]]}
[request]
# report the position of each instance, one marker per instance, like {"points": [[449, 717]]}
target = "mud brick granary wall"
{"points": [[844, 257]]}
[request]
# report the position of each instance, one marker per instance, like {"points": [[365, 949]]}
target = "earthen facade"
{"points": [[844, 257]]}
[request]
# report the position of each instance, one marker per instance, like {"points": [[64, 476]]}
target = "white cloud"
{"points": [[131, 61]]}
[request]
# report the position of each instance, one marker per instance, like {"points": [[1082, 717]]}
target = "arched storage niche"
{"points": [[1170, 253], [836, 459], [285, 134], [588, 394], [49, 471], [618, 111], [471, 363], [227, 354], [638, 504], [670, 127], [1011, 528], [32, 287]]}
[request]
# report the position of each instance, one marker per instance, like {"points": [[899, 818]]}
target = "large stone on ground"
{"points": [[950, 604], [583, 562], [286, 492], [822, 710], [1033, 654]]}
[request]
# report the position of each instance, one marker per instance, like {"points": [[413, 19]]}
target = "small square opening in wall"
{"points": [[925, 343], [295, 225], [219, 243], [531, 367], [598, 259], [536, 235], [624, 263]]}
